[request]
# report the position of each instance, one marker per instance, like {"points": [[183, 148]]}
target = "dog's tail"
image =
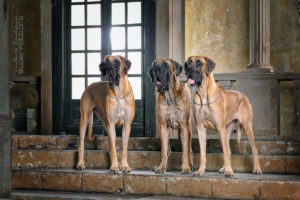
{"points": [[90, 130], [239, 133]]}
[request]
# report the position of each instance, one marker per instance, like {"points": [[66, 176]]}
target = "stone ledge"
{"points": [[266, 147], [211, 185], [94, 159]]}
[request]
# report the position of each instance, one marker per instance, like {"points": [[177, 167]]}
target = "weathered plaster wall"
{"points": [[218, 29], [285, 36]]}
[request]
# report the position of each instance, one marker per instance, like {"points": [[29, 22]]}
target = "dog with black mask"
{"points": [[173, 110], [113, 103], [220, 110]]}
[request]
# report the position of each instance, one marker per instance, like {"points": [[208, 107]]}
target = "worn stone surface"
{"points": [[142, 160], [61, 181], [189, 186], [292, 164], [15, 142], [38, 142], [29, 159], [268, 164], [150, 144], [96, 159], [280, 190], [141, 184], [61, 159], [235, 189], [67, 142], [96, 182], [26, 180]]}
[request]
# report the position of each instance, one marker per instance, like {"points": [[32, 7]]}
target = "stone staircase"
{"points": [[47, 163]]}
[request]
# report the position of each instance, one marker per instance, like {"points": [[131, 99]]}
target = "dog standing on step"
{"points": [[114, 104], [173, 109], [220, 110]]}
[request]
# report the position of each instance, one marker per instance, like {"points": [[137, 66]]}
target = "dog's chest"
{"points": [[206, 116], [174, 116]]}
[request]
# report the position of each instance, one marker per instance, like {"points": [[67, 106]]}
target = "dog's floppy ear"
{"points": [[185, 67], [102, 68], [177, 68], [127, 64], [210, 64], [150, 73]]}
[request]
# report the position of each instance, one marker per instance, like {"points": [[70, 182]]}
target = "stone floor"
{"points": [[51, 195]]}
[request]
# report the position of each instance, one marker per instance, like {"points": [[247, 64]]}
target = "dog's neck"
{"points": [[209, 90], [175, 91], [121, 91]]}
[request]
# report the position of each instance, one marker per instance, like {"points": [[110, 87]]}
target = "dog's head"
{"points": [[163, 72], [197, 69], [114, 67]]}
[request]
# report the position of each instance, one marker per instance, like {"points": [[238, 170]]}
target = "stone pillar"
{"points": [[5, 118], [259, 40]]}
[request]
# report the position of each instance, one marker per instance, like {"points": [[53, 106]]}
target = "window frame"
{"points": [[60, 61]]}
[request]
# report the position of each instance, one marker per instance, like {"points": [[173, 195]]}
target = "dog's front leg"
{"points": [[125, 138], [226, 155], [164, 137], [202, 143], [113, 154], [185, 149]]}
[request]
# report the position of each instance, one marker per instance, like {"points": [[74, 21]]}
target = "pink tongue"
{"points": [[191, 81], [158, 83]]}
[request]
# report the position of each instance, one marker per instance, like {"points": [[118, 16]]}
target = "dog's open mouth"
{"points": [[191, 81]]}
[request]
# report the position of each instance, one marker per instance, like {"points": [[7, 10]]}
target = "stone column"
{"points": [[5, 118], [259, 40]]}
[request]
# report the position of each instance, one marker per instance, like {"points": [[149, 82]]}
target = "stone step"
{"points": [[211, 185], [54, 195], [266, 147], [96, 159]]}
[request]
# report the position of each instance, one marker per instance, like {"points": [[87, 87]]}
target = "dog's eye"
{"points": [[199, 63]]}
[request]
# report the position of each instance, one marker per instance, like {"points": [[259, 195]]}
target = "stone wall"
{"points": [[220, 30]]}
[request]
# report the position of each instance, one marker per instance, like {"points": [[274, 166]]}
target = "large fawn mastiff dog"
{"points": [[220, 110], [173, 109], [113, 102]]}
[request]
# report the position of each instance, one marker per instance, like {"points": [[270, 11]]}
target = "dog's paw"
{"points": [[186, 170], [228, 173], [222, 170], [257, 171], [159, 170], [126, 170], [200, 172], [80, 166], [114, 169]]}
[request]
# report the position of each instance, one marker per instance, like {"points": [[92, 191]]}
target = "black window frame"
{"points": [[60, 85]]}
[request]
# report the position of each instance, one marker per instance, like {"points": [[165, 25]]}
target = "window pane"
{"points": [[94, 39], [118, 13], [136, 61], [77, 15], [74, 1], [94, 60], [134, 37], [77, 36], [77, 87], [134, 12], [92, 0], [93, 79], [93, 14], [118, 53], [78, 63], [135, 83], [117, 36]]}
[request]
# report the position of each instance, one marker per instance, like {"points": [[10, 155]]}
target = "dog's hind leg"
{"points": [[248, 130], [83, 124], [90, 129], [228, 133]]}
